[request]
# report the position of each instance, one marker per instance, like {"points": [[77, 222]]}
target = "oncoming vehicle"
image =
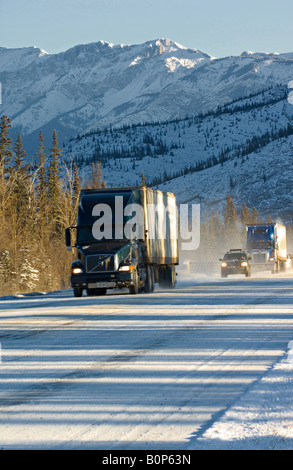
{"points": [[235, 262], [113, 249]]}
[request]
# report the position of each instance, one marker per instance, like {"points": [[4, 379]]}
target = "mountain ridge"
{"points": [[100, 84]]}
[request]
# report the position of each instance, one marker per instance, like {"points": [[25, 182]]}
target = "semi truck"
{"points": [[267, 246], [124, 238]]}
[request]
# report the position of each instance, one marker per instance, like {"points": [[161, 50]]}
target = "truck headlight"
{"points": [[224, 265], [76, 270], [127, 268], [244, 264]]}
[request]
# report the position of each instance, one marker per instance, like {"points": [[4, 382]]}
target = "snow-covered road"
{"points": [[205, 366]]}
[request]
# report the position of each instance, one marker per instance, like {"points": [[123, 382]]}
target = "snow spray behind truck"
{"points": [[267, 246], [113, 248]]}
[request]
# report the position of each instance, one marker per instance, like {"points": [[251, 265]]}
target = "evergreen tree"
{"points": [[96, 180], [54, 186], [255, 216], [20, 155], [245, 215], [230, 217], [6, 151], [232, 235], [41, 186], [20, 181], [6, 155], [70, 196], [29, 275], [6, 267], [76, 186]]}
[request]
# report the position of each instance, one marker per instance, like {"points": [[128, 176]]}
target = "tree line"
{"points": [[37, 201]]}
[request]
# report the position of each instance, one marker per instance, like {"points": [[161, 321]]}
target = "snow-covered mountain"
{"points": [[193, 141], [244, 149], [96, 85]]}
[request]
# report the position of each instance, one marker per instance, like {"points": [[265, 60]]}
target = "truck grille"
{"points": [[100, 263], [260, 258]]}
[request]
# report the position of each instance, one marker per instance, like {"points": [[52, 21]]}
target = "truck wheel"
{"points": [[133, 289], [90, 291], [77, 291], [275, 269], [100, 291], [150, 283], [162, 276], [170, 277]]}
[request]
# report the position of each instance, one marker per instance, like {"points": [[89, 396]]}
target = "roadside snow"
{"points": [[262, 419]]}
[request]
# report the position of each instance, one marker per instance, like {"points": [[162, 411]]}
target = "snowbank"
{"points": [[262, 419]]}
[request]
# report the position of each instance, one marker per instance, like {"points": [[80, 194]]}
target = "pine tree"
{"points": [[29, 275], [255, 216], [6, 156], [54, 189], [6, 268], [245, 215], [230, 216], [70, 195], [96, 180], [6, 152], [20, 155], [20, 181], [232, 235], [41, 186], [76, 186]]}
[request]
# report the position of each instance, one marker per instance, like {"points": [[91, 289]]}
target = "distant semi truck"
{"points": [[267, 246], [125, 237]]}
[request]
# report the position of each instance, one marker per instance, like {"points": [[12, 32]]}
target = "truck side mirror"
{"points": [[67, 237]]}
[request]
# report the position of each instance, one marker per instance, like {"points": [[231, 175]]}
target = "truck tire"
{"points": [[162, 276], [77, 291], [167, 276], [90, 291], [133, 289], [150, 282], [170, 277], [100, 291], [275, 270]]}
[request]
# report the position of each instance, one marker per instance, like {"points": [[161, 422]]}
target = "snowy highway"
{"points": [[202, 366]]}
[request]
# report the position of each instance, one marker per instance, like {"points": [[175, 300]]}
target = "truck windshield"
{"points": [[240, 256], [85, 235], [255, 245], [86, 219]]}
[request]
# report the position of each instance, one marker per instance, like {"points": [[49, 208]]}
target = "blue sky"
{"points": [[220, 28]]}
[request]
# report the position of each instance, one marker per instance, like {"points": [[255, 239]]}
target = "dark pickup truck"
{"points": [[235, 262]]}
